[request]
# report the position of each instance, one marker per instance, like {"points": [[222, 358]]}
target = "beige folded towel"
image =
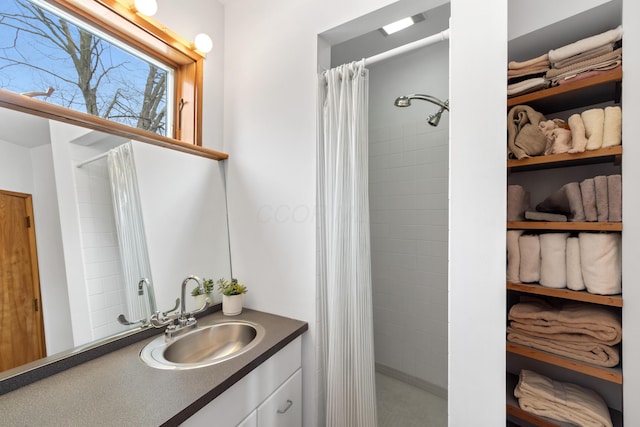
{"points": [[529, 258], [517, 202], [584, 56], [566, 201], [590, 352], [553, 262], [614, 193], [603, 62], [539, 69], [533, 62], [585, 45], [574, 268], [593, 120], [513, 255], [612, 133], [566, 402], [569, 321], [602, 198], [525, 139], [526, 86], [585, 75], [601, 260], [588, 193], [543, 216], [578, 134]]}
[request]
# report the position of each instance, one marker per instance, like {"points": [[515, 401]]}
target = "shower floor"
{"points": [[401, 404]]}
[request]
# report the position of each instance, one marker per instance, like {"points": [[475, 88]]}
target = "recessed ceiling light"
{"points": [[394, 27]]}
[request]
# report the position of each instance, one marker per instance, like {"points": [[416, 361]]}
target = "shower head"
{"points": [[402, 101], [432, 119]]}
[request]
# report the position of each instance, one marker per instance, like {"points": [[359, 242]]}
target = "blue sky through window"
{"points": [[87, 72]]}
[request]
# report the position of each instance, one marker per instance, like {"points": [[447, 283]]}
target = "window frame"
{"points": [[118, 19]]}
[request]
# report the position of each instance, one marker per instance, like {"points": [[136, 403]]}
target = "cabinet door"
{"points": [[250, 421], [284, 407]]}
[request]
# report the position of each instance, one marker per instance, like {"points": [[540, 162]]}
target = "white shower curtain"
{"points": [[347, 396], [130, 228]]}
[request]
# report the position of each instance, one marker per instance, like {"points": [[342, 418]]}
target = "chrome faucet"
{"points": [[178, 323]]}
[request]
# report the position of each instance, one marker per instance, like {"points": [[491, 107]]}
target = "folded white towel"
{"points": [[553, 262], [601, 260], [612, 132], [525, 86], [513, 255], [574, 268], [578, 134], [593, 120], [567, 402], [529, 258], [585, 45]]}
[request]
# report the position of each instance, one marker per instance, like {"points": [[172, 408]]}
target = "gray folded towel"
{"points": [[517, 202], [529, 258], [566, 201], [602, 198], [525, 139], [614, 192], [543, 216], [588, 193]]}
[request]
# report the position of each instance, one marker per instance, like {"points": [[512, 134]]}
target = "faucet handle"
{"points": [[175, 307], [123, 320]]}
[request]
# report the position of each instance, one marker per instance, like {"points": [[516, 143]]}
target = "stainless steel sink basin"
{"points": [[204, 346]]}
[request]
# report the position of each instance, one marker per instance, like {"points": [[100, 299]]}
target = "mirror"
{"points": [[183, 205]]}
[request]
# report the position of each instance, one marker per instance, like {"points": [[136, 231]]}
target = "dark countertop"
{"points": [[119, 389]]}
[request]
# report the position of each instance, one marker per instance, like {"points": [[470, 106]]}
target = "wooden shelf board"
{"points": [[613, 375], [514, 410], [565, 226], [601, 155], [610, 300], [612, 76]]}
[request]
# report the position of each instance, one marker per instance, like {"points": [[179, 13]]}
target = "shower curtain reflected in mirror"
{"points": [[346, 355], [130, 228]]}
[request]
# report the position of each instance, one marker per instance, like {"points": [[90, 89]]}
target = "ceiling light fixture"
{"points": [[394, 27], [202, 42]]}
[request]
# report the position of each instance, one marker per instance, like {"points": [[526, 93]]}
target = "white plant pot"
{"points": [[232, 304], [200, 300]]}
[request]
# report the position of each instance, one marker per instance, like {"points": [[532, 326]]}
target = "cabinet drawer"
{"points": [[250, 421], [284, 407]]}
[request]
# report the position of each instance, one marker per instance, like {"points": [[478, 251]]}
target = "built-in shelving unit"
{"points": [[576, 95]]}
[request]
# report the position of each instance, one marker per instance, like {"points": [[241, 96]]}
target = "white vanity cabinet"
{"points": [[275, 385]]}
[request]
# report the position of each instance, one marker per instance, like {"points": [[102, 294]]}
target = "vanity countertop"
{"points": [[119, 389]]}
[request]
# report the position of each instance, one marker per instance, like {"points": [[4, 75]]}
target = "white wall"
{"points": [[408, 174]]}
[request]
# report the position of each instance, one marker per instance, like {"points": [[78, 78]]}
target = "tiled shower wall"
{"points": [[408, 187]]}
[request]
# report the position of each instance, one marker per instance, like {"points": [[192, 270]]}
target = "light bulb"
{"points": [[146, 7], [203, 43]]}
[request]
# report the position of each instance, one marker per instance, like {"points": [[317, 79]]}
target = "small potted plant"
{"points": [[232, 296], [208, 293]]}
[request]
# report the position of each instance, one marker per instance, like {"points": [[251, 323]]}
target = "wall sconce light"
{"points": [[203, 43], [146, 7]]}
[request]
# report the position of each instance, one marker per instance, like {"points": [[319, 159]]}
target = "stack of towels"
{"points": [[597, 199], [561, 401], [582, 59], [529, 133], [580, 331], [588, 261]]}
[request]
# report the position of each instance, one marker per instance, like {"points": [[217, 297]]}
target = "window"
{"points": [[101, 59]]}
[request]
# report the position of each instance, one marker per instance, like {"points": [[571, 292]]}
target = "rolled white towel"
{"points": [[578, 134], [529, 258], [553, 260], [574, 268], [584, 45], [593, 120], [601, 260], [612, 133], [513, 255]]}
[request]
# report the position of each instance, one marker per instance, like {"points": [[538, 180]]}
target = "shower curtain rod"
{"points": [[427, 41], [92, 159]]}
